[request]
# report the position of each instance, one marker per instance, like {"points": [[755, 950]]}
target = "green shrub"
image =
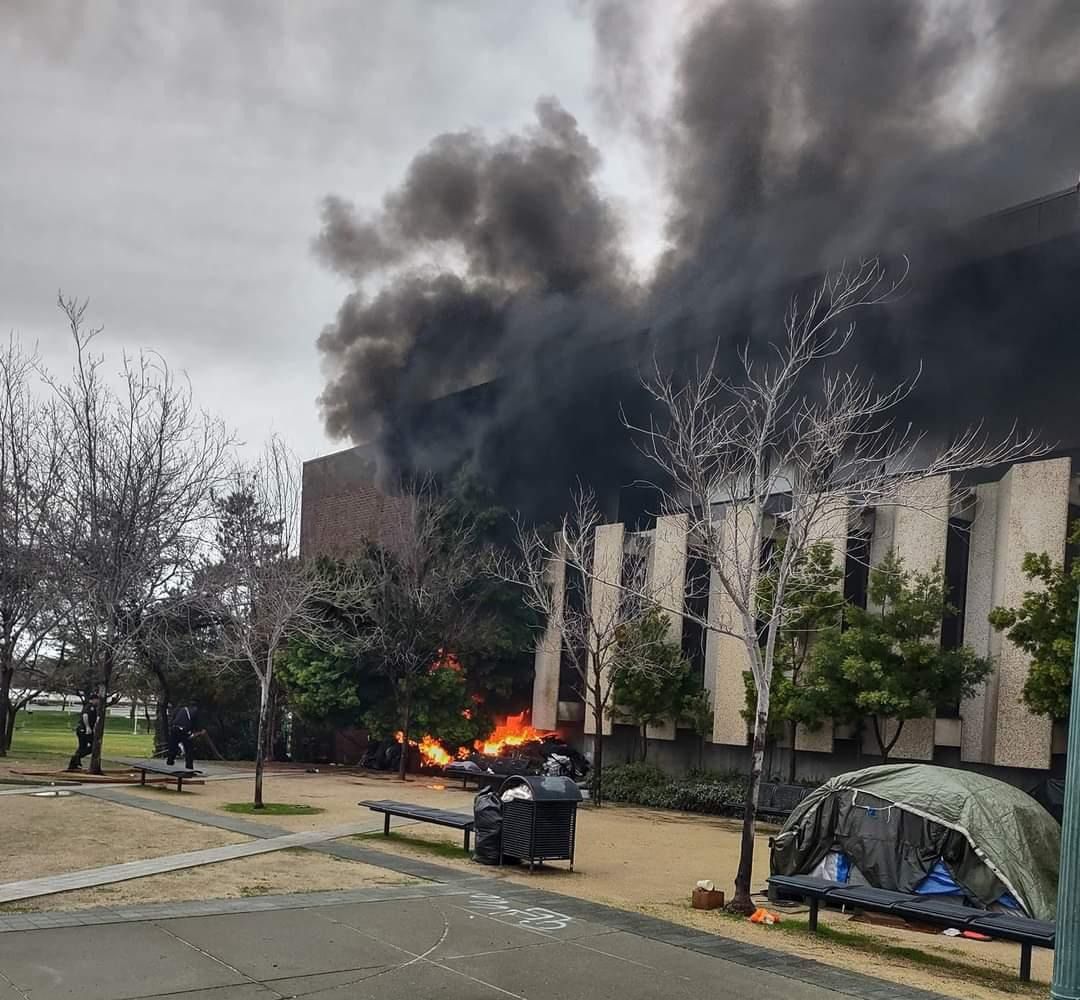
{"points": [[716, 794]]}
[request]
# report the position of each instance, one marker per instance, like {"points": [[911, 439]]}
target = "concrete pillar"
{"points": [[548, 662], [917, 528], [667, 584], [977, 712], [1032, 516], [832, 527], [604, 600], [726, 658]]}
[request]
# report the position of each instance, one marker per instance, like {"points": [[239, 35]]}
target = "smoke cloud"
{"points": [[797, 135]]}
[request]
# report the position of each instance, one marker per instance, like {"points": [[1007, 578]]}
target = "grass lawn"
{"points": [[272, 809], [440, 848], [54, 733]]}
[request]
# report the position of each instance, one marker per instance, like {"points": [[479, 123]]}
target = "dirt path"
{"points": [[294, 870], [50, 836]]}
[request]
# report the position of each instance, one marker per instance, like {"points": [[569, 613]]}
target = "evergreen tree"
{"points": [[813, 609], [653, 682], [888, 664], [1044, 627]]}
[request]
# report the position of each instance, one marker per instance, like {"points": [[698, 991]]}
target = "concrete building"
{"points": [[1007, 279], [980, 543]]}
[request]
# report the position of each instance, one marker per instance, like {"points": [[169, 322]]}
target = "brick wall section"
{"points": [[342, 504]]}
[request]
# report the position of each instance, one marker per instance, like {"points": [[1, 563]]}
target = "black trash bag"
{"points": [[370, 760], [487, 831], [391, 756]]}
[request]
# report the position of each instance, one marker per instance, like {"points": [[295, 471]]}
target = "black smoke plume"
{"points": [[798, 135]]}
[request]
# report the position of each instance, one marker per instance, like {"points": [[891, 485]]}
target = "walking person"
{"points": [[182, 733], [84, 731]]}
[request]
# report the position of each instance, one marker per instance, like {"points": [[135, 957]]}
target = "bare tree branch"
{"points": [[787, 450]]}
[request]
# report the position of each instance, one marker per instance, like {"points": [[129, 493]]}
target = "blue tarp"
{"points": [[941, 883]]}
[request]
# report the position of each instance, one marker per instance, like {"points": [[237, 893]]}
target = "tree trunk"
{"points": [[403, 764], [260, 740], [644, 742], [161, 724], [271, 725], [99, 727], [6, 674], [597, 794], [742, 902], [886, 748], [792, 760], [8, 733]]}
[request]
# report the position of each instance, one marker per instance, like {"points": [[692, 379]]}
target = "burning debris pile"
{"points": [[513, 747]]}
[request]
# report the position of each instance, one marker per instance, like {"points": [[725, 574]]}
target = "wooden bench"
{"points": [[1025, 931], [145, 767], [421, 814]]}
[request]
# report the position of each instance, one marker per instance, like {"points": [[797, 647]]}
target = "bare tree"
{"points": [[256, 589], [604, 592], [784, 451], [139, 464], [30, 468], [412, 592]]}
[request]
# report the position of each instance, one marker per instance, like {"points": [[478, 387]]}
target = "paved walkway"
{"points": [[489, 939], [461, 935], [90, 877]]}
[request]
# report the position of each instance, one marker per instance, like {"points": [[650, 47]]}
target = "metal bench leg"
{"points": [[1025, 963], [466, 841], [142, 777], [814, 904], [179, 784], [386, 825]]}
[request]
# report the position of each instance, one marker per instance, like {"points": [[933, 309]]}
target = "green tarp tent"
{"points": [[894, 822]]}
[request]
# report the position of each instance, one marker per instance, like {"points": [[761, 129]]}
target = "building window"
{"points": [[857, 569], [957, 547], [694, 635], [570, 684]]}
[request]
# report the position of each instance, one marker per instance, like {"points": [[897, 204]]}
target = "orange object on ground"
{"points": [[975, 936], [763, 916]]}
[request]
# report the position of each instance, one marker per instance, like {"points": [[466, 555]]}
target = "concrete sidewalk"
{"points": [[464, 942]]}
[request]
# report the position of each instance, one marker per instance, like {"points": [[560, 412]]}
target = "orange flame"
{"points": [[433, 752], [512, 733]]}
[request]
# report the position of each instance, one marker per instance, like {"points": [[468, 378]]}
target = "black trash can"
{"points": [[539, 818]]}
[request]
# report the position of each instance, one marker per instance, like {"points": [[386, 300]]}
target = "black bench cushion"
{"points": [[868, 896], [805, 884], [408, 810], [1015, 928], [938, 912]]}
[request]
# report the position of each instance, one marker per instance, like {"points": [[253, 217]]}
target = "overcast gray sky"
{"points": [[167, 160]]}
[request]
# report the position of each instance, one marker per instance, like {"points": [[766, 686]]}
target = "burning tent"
{"points": [[513, 747], [928, 830]]}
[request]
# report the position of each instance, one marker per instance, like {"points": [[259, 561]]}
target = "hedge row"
{"points": [[717, 794]]}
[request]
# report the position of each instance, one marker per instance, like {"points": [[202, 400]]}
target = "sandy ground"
{"points": [[28, 762], [50, 836], [294, 870], [639, 859]]}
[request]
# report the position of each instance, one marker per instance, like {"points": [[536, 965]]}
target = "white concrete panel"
{"points": [[604, 601], [548, 661]]}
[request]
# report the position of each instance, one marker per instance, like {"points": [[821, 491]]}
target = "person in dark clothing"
{"points": [[85, 733], [182, 733]]}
